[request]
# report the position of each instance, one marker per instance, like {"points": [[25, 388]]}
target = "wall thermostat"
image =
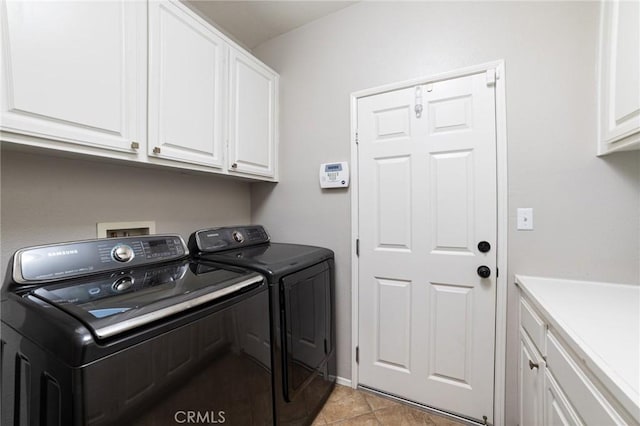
{"points": [[334, 175]]}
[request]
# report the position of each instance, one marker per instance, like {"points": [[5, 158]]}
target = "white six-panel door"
{"points": [[427, 197]]}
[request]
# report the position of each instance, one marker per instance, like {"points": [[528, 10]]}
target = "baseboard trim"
{"points": [[344, 382]]}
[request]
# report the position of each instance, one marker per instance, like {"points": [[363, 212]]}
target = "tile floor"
{"points": [[351, 407]]}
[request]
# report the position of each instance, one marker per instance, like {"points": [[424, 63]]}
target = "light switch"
{"points": [[525, 219]]}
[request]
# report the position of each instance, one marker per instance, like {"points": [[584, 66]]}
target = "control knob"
{"points": [[122, 253], [238, 236], [123, 283]]}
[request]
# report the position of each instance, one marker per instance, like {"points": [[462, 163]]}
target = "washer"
{"points": [[301, 291], [133, 331]]}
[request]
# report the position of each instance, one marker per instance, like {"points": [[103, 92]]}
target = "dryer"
{"points": [[301, 312]]}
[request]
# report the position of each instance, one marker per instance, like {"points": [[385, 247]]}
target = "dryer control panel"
{"points": [[225, 238]]}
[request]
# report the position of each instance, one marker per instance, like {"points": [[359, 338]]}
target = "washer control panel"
{"points": [[218, 239], [68, 260]]}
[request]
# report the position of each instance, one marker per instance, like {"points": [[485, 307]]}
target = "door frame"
{"points": [[502, 220]]}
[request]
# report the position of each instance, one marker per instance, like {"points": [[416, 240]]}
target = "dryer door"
{"points": [[305, 309]]}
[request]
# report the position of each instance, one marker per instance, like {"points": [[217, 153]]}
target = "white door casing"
{"points": [[427, 196]]}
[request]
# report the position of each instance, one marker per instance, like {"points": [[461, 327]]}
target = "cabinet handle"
{"points": [[533, 365], [156, 150], [234, 166], [135, 145]]}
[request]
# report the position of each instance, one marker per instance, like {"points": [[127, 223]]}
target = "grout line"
{"points": [[424, 408]]}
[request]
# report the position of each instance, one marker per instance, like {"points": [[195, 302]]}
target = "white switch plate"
{"points": [[525, 219]]}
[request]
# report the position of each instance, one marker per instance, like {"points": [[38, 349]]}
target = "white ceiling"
{"points": [[254, 22]]}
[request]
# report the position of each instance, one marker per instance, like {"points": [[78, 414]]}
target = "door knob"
{"points": [[484, 246], [484, 271]]}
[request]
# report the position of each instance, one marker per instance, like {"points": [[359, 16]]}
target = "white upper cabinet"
{"points": [[74, 73], [186, 75], [253, 91], [146, 81], [619, 92]]}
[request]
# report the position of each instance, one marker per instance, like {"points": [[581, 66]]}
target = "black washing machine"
{"points": [[301, 291], [132, 331]]}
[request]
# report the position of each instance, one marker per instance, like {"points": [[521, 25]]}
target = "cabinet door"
{"points": [[620, 75], [557, 409], [252, 116], [531, 383], [74, 71], [186, 62]]}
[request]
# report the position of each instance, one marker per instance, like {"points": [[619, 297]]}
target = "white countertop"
{"points": [[601, 323]]}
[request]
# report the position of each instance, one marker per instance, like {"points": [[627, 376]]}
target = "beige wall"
{"points": [[586, 208], [52, 199]]}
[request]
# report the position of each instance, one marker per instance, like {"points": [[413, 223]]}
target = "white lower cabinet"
{"points": [[558, 411], [585, 396], [556, 386], [532, 367], [73, 74], [186, 74]]}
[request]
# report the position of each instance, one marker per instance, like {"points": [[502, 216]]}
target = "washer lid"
{"points": [[115, 303], [274, 260]]}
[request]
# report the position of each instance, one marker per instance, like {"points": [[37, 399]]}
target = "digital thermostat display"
{"points": [[334, 175]]}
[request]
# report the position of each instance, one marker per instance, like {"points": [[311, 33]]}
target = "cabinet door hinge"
{"points": [[357, 354], [358, 247], [497, 272], [357, 140]]}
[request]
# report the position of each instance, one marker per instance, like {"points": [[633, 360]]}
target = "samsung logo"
{"points": [[62, 253]]}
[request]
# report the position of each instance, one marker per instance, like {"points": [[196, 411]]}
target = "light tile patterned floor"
{"points": [[350, 407]]}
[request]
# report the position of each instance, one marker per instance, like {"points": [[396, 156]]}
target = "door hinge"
{"points": [[357, 354], [325, 347], [357, 140], [497, 272], [358, 247]]}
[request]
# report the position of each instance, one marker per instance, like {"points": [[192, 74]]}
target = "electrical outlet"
{"points": [[525, 219]]}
